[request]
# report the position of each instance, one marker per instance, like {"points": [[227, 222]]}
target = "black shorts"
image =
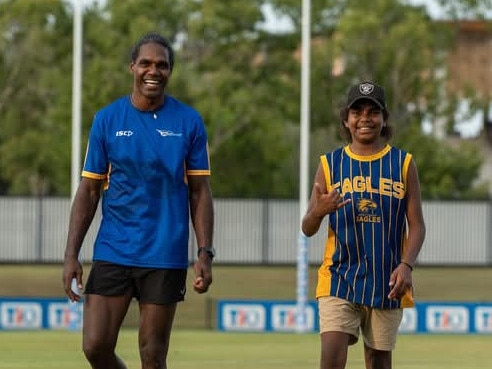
{"points": [[148, 285]]}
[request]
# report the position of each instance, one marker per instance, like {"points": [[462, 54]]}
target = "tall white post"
{"points": [[76, 95], [302, 249], [75, 308]]}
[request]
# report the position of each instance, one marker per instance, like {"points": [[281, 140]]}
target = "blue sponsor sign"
{"points": [[243, 316], [18, 313], [258, 316], [21, 315], [284, 317], [447, 319], [483, 319], [424, 318]]}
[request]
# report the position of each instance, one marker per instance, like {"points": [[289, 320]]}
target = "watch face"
{"points": [[209, 250]]}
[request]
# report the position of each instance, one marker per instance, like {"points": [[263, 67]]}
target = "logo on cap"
{"points": [[366, 88]]}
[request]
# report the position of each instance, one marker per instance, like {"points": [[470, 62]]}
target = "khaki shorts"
{"points": [[379, 327]]}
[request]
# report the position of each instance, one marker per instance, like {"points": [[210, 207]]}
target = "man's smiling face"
{"points": [[151, 71]]}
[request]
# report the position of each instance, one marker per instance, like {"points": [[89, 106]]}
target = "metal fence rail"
{"points": [[253, 231]]}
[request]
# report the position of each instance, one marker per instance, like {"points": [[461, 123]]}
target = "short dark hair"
{"points": [[156, 38]]}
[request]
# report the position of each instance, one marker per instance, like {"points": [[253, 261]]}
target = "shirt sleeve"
{"points": [[198, 159], [96, 164]]}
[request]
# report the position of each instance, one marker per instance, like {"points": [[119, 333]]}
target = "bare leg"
{"points": [[154, 334], [377, 359], [103, 316], [334, 349]]}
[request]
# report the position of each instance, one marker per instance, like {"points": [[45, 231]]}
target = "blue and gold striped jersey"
{"points": [[144, 158], [366, 237]]}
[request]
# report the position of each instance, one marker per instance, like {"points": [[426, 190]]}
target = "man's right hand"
{"points": [[72, 269]]}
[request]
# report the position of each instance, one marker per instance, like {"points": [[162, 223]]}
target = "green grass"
{"points": [[207, 349], [431, 283], [192, 349]]}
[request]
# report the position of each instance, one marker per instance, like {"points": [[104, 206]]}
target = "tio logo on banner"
{"points": [[408, 321], [483, 319], [284, 317], [447, 319], [243, 317], [62, 316], [21, 315]]}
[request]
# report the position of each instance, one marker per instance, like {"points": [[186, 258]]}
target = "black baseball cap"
{"points": [[366, 90]]}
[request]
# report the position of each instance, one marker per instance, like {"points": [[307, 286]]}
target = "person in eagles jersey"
{"points": [[147, 158], [369, 191]]}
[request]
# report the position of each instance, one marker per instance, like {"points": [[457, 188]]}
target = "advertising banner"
{"points": [[424, 318], [259, 316], [18, 313]]}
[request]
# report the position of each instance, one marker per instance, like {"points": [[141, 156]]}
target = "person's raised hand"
{"points": [[326, 203]]}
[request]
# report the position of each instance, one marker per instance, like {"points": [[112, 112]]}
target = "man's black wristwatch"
{"points": [[210, 250]]}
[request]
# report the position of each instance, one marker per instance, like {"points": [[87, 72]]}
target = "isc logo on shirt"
{"points": [[483, 319], [284, 317], [124, 133], [20, 315], [243, 317], [447, 319]]}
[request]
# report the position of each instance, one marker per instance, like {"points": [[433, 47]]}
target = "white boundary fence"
{"points": [[247, 231]]}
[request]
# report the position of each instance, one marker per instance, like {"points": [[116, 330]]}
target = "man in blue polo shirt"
{"points": [[148, 156]]}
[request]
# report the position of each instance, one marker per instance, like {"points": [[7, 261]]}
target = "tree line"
{"points": [[243, 78]]}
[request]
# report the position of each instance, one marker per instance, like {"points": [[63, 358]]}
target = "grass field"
{"points": [[206, 349], [192, 349], [431, 283]]}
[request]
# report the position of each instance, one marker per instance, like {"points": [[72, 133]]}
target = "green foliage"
{"points": [[379, 40], [446, 172], [32, 64], [244, 80], [244, 99]]}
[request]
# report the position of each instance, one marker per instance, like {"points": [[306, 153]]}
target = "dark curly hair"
{"points": [[156, 38]]}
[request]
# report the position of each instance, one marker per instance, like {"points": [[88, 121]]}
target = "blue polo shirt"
{"points": [[144, 159]]}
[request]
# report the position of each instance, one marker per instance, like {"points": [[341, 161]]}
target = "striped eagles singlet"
{"points": [[366, 237]]}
